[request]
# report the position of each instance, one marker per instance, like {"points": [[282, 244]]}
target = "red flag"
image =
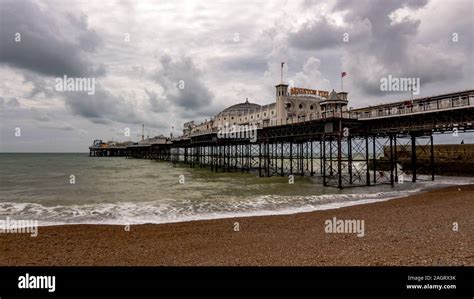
{"points": [[343, 74]]}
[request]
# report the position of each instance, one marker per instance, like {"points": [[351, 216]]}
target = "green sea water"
{"points": [[76, 188]]}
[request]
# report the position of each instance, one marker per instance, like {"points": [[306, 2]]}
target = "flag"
{"points": [[282, 64], [343, 74]]}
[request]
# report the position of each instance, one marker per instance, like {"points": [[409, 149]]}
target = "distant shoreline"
{"points": [[414, 230]]}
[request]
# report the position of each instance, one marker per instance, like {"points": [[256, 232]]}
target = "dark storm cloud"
{"points": [[376, 9], [317, 34], [157, 104], [200, 115], [51, 44], [183, 84], [103, 107], [387, 40], [95, 106], [244, 63], [11, 103], [40, 84]]}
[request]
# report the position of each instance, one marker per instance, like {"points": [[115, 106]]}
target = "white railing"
{"points": [[417, 107]]}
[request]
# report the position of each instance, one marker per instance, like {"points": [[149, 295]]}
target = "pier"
{"points": [[345, 148]]}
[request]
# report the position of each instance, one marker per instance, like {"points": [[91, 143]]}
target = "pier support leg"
{"points": [[413, 158], [321, 156], [312, 170], [301, 158], [374, 158], [224, 160], [242, 158], [432, 158], [229, 149], [282, 154], [367, 178], [267, 160], [325, 183], [395, 156], [330, 158], [349, 158], [339, 160], [392, 181], [291, 157], [212, 157]]}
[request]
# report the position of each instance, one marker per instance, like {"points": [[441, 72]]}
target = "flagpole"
{"points": [[343, 74], [281, 72]]}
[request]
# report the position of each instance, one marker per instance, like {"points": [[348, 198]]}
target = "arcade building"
{"points": [[291, 105]]}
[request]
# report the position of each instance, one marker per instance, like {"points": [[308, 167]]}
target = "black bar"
{"points": [[240, 282]]}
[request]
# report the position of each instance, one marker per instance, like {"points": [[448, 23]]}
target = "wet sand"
{"points": [[415, 230]]}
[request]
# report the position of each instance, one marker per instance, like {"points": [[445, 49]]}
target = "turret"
{"points": [[281, 94]]}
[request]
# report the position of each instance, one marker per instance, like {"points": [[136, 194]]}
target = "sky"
{"points": [[162, 63]]}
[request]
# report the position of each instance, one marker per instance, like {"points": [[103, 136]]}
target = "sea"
{"points": [[73, 188]]}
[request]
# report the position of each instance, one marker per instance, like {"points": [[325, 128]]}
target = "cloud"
{"points": [[317, 34], [183, 85], [12, 103], [383, 40], [50, 44], [311, 76], [189, 45], [157, 104], [243, 63], [105, 107]]}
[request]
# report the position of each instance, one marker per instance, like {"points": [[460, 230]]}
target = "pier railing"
{"points": [[415, 107]]}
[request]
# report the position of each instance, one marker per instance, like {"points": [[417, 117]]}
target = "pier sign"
{"points": [[306, 91]]}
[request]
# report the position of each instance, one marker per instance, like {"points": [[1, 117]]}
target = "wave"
{"points": [[166, 211], [181, 209]]}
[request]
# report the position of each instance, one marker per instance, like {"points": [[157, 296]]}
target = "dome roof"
{"points": [[334, 97], [242, 107]]}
